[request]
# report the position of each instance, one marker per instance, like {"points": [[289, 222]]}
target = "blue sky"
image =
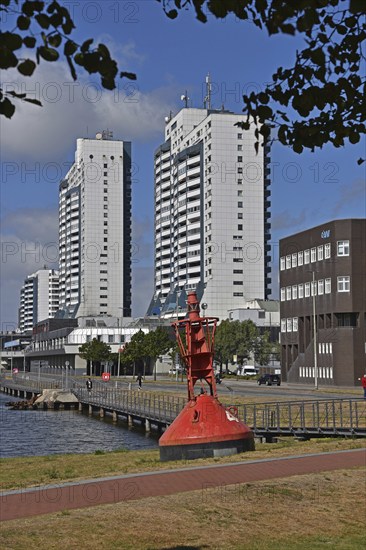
{"points": [[169, 57]]}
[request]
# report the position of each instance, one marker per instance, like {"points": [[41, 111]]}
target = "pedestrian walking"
{"points": [[363, 383], [89, 385], [139, 381]]}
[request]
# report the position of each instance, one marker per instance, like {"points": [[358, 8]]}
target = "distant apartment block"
{"points": [[323, 296], [95, 230], [212, 218], [39, 298]]}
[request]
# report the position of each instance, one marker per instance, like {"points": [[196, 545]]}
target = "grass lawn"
{"points": [[299, 513], [22, 472]]}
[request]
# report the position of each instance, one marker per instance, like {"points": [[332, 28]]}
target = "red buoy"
{"points": [[204, 428]]}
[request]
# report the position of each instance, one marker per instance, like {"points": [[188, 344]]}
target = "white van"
{"points": [[247, 370]]}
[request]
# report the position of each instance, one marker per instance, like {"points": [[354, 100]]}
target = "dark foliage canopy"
{"points": [[319, 100]]}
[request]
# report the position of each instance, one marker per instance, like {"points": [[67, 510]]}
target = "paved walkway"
{"points": [[54, 498]]}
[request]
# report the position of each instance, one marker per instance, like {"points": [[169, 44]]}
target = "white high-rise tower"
{"points": [[39, 298], [95, 230], [212, 226]]}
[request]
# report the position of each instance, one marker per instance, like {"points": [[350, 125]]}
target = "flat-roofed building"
{"points": [[323, 304]]}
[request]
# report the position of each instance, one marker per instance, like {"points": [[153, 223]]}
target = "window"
{"points": [[300, 258], [313, 255], [327, 286], [237, 282], [294, 260], [240, 227], [289, 325], [327, 251], [240, 193], [288, 293], [240, 271], [110, 338], [343, 248], [240, 147], [283, 295], [288, 261], [320, 287], [240, 204], [240, 136], [300, 291], [240, 159], [238, 294], [320, 253], [240, 215], [240, 170], [240, 181], [294, 292], [294, 324], [283, 325], [307, 257], [343, 283], [282, 263], [307, 290]]}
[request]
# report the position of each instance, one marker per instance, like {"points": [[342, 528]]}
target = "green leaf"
{"points": [[7, 108], [317, 56], [48, 54], [70, 48], [43, 20], [26, 67], [23, 22], [172, 14], [131, 76], [71, 66], [79, 59], [7, 58], [33, 101], [357, 6], [86, 45], [29, 41], [264, 112], [11, 40], [103, 50], [354, 137], [55, 40]]}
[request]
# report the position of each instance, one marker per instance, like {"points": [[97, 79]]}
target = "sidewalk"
{"points": [[55, 498]]}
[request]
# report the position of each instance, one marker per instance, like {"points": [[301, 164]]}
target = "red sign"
{"points": [[106, 376]]}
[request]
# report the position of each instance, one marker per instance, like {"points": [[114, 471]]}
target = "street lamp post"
{"points": [[119, 344], [315, 334]]}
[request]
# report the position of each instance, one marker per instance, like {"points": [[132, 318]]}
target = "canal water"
{"points": [[32, 433]]}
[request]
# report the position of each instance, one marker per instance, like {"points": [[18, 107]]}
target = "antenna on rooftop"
{"points": [[207, 100], [185, 98]]}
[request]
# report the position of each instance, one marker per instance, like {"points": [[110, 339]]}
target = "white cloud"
{"points": [[29, 241], [76, 109]]}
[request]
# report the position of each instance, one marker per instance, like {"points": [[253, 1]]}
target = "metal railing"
{"points": [[309, 418]]}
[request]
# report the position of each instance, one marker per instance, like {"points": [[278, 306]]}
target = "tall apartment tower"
{"points": [[95, 230], [212, 219], [39, 298]]}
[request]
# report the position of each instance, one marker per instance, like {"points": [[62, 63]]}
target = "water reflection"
{"points": [[32, 433]]}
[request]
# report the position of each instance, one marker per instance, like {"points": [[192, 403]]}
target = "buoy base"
{"points": [[205, 450]]}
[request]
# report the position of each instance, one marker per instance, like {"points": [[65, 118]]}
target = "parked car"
{"points": [[269, 379], [247, 370]]}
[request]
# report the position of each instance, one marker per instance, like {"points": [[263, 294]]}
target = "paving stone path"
{"points": [[66, 496]]}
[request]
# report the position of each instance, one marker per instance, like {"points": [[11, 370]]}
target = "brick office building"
{"points": [[323, 277]]}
